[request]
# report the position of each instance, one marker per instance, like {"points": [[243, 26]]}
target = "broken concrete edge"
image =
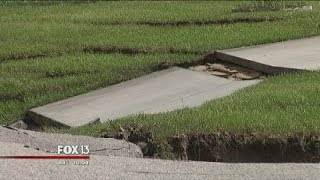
{"points": [[17, 125], [272, 70], [48, 142], [38, 119]]}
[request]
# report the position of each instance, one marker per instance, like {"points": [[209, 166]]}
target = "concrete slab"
{"points": [[301, 54], [48, 142], [161, 91]]}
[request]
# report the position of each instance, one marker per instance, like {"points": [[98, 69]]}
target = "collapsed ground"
{"points": [[69, 49]]}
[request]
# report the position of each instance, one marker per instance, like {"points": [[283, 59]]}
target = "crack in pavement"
{"points": [[170, 173], [37, 148], [16, 129], [112, 149]]}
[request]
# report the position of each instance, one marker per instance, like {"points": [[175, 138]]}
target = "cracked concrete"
{"points": [[48, 142], [161, 91]]}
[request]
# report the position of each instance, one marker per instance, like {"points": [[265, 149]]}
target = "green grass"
{"points": [[29, 83], [282, 105], [66, 27], [268, 5]]}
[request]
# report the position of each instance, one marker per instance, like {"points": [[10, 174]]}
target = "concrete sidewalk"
{"points": [[287, 56], [161, 91]]}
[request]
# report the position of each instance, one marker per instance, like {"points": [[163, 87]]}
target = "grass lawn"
{"points": [[279, 105], [70, 27]]}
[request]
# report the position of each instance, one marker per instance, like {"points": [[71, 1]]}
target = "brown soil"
{"points": [[223, 146], [57, 74], [102, 50], [194, 22], [133, 51], [228, 70], [135, 134], [210, 64], [206, 58], [226, 147], [31, 56], [8, 97]]}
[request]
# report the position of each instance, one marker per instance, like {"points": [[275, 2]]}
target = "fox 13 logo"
{"points": [[74, 150]]}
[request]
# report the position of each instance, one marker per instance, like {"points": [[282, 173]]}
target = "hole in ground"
{"points": [[228, 147], [227, 70], [224, 146], [211, 65]]}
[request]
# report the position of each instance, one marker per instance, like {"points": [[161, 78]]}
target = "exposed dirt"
{"points": [[137, 135], [133, 51], [31, 56], [194, 22], [225, 147], [210, 64], [6, 97], [59, 74], [228, 70], [17, 97], [102, 50], [27, 125]]}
